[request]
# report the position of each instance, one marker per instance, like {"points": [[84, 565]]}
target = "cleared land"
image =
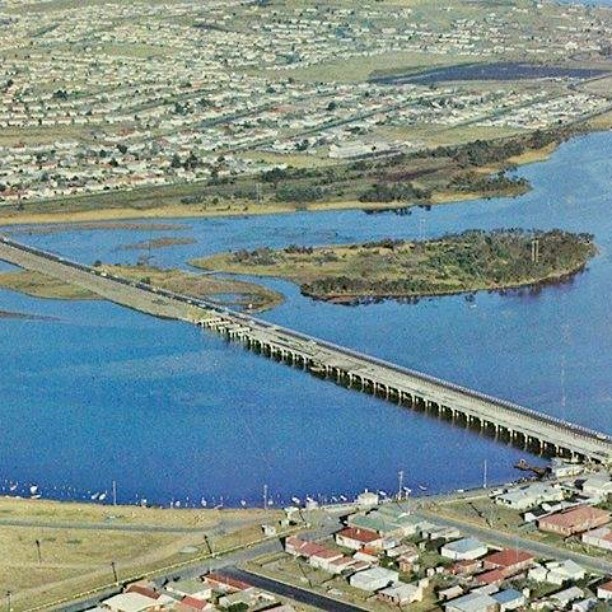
{"points": [[79, 541], [468, 262]]}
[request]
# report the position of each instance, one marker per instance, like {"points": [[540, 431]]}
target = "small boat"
{"points": [[243, 503], [342, 498], [37, 496], [13, 487], [422, 487], [102, 497], [203, 503], [296, 501], [33, 489], [94, 497], [382, 493]]}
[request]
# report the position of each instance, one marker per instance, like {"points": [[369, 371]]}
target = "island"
{"points": [[227, 292], [462, 263]]}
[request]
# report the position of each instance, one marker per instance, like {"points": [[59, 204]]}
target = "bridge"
{"points": [[503, 420]]}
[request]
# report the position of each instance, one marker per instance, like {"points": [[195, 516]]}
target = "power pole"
{"points": [[114, 492], [114, 568], [484, 475], [535, 250], [400, 477], [265, 497], [38, 552]]}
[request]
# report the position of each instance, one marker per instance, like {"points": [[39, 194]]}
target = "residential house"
{"points": [[601, 538], [401, 594], [356, 538], [575, 520], [564, 598], [466, 548], [472, 602], [604, 591], [374, 579], [509, 561], [530, 496], [509, 599]]}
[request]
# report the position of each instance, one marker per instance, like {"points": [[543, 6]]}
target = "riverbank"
{"points": [[464, 263]]}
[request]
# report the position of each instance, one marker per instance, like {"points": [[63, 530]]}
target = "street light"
{"points": [[8, 599], [114, 572]]}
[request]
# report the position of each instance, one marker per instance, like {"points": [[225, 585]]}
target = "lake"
{"points": [[96, 393]]}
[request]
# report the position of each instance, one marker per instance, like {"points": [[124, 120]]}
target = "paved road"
{"points": [[291, 592], [492, 536]]}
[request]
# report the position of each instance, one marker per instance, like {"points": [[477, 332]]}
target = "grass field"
{"points": [[78, 542]]}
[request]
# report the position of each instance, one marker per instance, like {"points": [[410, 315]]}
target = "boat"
{"points": [[422, 487], [102, 497]]}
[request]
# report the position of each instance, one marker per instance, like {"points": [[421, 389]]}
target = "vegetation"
{"points": [[468, 262]]}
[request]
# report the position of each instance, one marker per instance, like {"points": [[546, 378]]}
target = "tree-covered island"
{"points": [[463, 263]]}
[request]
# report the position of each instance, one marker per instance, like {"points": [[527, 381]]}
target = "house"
{"points": [[356, 538], [466, 548], [509, 561], [584, 605], [450, 593], [492, 577], [530, 496], [465, 567], [193, 604], [323, 559], [337, 566], [437, 532], [194, 588], [374, 579], [598, 487], [604, 591], [563, 469], [472, 602], [601, 538], [509, 599], [132, 602], [566, 571], [564, 598], [367, 499], [224, 584], [250, 597], [401, 594], [575, 520]]}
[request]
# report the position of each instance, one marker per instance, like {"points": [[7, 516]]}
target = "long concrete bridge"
{"points": [[506, 421]]}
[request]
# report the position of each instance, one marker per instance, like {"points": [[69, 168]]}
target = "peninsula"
{"points": [[463, 263]]}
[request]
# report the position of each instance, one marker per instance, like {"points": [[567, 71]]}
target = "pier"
{"points": [[505, 421]]}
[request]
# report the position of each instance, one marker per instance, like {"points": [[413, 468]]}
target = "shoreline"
{"points": [[243, 209]]}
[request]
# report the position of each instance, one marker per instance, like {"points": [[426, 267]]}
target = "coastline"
{"points": [[242, 209]]}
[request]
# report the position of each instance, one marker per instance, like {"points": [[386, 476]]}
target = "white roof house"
{"points": [[130, 602], [472, 602], [374, 579], [466, 548]]}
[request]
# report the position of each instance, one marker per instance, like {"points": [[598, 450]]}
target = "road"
{"points": [[499, 538], [291, 592]]}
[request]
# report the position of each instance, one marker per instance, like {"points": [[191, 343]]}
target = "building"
{"points": [[509, 561], [564, 598], [193, 604], [530, 496], [604, 591], [557, 572], [598, 487], [575, 520], [401, 594], [601, 538], [356, 538], [324, 559], [367, 499], [562, 469], [466, 548], [472, 602], [509, 599], [374, 579], [134, 602]]}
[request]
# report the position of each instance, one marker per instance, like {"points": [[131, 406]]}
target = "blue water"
{"points": [[102, 393]]}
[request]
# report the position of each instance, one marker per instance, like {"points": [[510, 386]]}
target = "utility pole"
{"points": [[38, 552], [8, 600], [114, 568], [484, 475], [265, 497], [114, 492], [400, 477], [535, 250]]}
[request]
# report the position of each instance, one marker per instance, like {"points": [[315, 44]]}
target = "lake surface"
{"points": [[99, 393], [497, 71]]}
